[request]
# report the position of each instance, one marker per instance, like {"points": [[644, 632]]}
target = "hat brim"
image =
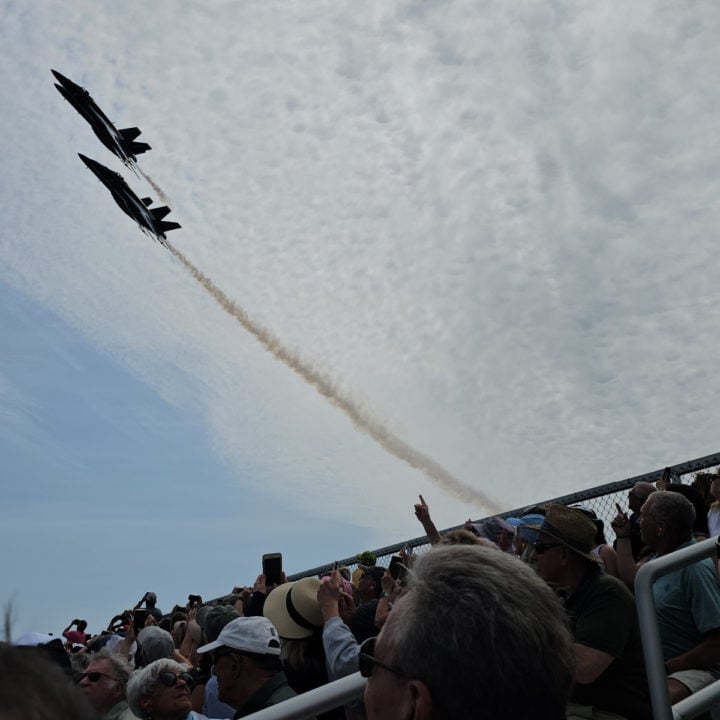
{"points": [[210, 646], [544, 531]]}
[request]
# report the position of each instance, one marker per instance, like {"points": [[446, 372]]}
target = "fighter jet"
{"points": [[149, 219], [120, 142]]}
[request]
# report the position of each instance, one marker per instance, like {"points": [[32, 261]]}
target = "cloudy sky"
{"points": [[487, 230]]}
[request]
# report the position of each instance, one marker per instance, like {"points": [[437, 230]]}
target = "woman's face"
{"points": [[169, 701], [715, 489]]}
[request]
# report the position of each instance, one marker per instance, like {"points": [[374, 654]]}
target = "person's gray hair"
{"points": [[485, 634], [121, 668], [673, 509], [144, 681]]}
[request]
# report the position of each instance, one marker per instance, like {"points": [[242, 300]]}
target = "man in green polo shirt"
{"points": [[610, 669]]}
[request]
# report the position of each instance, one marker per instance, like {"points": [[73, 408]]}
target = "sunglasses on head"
{"points": [[93, 677], [368, 661], [169, 678], [541, 547]]}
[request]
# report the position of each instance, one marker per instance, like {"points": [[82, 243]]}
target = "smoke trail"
{"points": [[155, 187], [393, 444]]}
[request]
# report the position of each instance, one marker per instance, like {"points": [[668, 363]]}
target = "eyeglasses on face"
{"points": [[169, 678], [368, 661], [541, 547], [94, 676]]}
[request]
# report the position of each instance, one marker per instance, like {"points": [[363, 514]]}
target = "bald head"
{"points": [[638, 494]]}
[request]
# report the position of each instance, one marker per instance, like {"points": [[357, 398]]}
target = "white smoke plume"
{"points": [[386, 439]]}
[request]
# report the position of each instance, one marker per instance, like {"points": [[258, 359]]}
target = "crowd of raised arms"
{"points": [[527, 617]]}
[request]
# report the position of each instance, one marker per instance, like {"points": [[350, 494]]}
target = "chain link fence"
{"points": [[600, 499]]}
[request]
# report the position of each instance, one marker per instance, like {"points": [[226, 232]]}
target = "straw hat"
{"points": [[571, 528], [293, 608]]}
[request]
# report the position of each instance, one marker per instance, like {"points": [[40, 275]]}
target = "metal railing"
{"points": [[314, 702], [652, 648]]}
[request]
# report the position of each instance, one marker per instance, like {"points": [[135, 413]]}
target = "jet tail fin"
{"points": [[160, 212], [146, 201], [165, 226], [129, 134], [136, 148]]}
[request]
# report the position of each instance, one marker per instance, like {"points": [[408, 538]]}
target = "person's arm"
{"points": [[67, 629], [341, 648], [125, 646], [179, 657], [256, 603], [626, 566], [702, 656], [422, 513], [590, 663], [113, 620], [140, 602], [390, 593], [609, 558], [191, 641]]}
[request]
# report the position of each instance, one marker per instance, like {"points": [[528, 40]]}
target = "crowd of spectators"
{"points": [[524, 617]]}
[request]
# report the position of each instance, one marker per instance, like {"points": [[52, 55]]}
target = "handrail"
{"points": [[652, 647], [316, 701]]}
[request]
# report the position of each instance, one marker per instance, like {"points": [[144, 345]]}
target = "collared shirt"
{"points": [[271, 692], [120, 711], [687, 603]]}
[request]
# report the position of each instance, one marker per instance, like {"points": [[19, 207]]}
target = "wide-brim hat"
{"points": [[293, 608], [571, 528]]}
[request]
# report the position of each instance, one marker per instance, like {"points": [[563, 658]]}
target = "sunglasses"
{"points": [[93, 677], [170, 678], [541, 547], [368, 661]]}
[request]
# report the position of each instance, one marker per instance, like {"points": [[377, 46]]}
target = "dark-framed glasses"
{"points": [[95, 676], [368, 661], [541, 547], [169, 679]]}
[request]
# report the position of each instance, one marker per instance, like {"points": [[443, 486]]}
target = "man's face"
{"points": [[715, 489], [505, 540], [636, 498], [225, 669], [105, 691], [649, 529], [385, 691], [548, 555], [366, 586]]}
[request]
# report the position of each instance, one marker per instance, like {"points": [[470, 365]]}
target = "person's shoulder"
{"points": [[610, 586], [703, 572], [281, 689]]}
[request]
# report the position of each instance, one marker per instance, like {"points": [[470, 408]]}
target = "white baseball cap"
{"points": [[250, 634]]}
